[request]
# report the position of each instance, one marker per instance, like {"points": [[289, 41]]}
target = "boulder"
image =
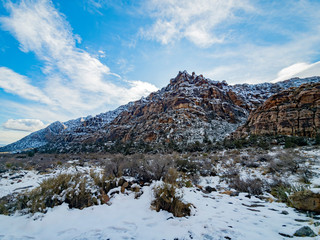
{"points": [[306, 200], [305, 232]]}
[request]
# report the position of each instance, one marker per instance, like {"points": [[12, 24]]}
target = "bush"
{"points": [[187, 166], [77, 190], [286, 161], [66, 188], [283, 191], [166, 198], [253, 186], [294, 141], [171, 176]]}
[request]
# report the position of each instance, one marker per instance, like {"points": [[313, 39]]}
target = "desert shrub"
{"points": [[251, 164], [166, 198], [305, 175], [187, 166], [286, 161], [283, 191], [101, 180], [9, 165], [115, 165], [171, 176], [77, 190], [294, 141], [67, 188], [144, 168], [230, 174], [253, 186], [31, 153]]}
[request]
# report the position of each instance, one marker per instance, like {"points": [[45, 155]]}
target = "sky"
{"points": [[61, 60]]}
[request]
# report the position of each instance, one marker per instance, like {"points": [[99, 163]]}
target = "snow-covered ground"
{"points": [[214, 215]]}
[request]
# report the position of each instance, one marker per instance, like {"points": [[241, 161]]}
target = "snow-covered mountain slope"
{"points": [[190, 108], [72, 127]]}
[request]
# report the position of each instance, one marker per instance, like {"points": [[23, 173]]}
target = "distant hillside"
{"points": [[74, 127]]}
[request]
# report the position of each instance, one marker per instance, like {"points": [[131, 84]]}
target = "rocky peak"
{"points": [[184, 79]]}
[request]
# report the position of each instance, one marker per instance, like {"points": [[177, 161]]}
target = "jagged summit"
{"points": [[184, 77]]}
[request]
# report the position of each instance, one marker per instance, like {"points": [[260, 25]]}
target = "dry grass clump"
{"points": [[77, 190], [253, 186], [73, 189], [283, 192], [167, 197]]}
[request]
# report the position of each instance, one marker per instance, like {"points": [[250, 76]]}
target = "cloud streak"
{"points": [[75, 80], [20, 85], [193, 20]]}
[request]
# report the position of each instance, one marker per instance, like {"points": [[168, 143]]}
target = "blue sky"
{"points": [[61, 60]]}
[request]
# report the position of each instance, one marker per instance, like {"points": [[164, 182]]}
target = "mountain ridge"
{"points": [[189, 109]]}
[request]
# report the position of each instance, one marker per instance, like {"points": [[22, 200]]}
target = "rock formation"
{"points": [[295, 112]]}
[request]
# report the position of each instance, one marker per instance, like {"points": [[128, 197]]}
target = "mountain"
{"points": [[190, 108], [295, 112], [74, 127]]}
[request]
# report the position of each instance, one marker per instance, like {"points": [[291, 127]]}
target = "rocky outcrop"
{"points": [[295, 112]]}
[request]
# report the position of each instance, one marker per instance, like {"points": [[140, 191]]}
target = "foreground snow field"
{"points": [[215, 215]]}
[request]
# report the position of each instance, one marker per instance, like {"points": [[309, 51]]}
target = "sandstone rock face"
{"points": [[295, 112], [306, 200], [189, 108]]}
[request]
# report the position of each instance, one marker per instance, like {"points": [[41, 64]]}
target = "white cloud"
{"points": [[194, 20], [102, 54], [253, 64], [76, 81], [299, 70], [27, 125], [138, 88], [15, 83]]}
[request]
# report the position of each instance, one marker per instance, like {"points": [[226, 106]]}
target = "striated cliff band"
{"points": [[294, 112]]}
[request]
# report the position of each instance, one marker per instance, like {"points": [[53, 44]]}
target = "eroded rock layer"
{"points": [[295, 112]]}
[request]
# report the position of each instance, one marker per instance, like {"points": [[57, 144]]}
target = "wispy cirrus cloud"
{"points": [[193, 20], [74, 78], [244, 41], [15, 83]]}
